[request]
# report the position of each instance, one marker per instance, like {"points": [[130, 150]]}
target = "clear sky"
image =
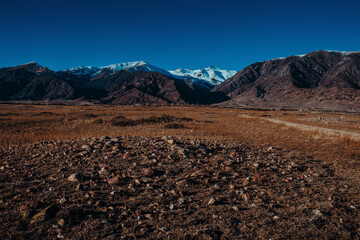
{"points": [[172, 34]]}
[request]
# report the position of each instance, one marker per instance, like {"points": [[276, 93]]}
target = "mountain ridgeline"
{"points": [[328, 80], [124, 84]]}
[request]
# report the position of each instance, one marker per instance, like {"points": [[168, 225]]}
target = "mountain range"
{"points": [[327, 80]]}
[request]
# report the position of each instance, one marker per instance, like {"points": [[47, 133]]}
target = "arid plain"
{"points": [[178, 172]]}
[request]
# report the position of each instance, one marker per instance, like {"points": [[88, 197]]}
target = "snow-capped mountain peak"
{"points": [[136, 66], [210, 74], [125, 65], [83, 70]]}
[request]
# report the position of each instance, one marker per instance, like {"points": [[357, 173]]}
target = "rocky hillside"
{"points": [[321, 79], [125, 84], [32, 82], [140, 87]]}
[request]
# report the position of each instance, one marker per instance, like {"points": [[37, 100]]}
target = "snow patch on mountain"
{"points": [[345, 53], [136, 66], [83, 70], [113, 68], [210, 74], [280, 58]]}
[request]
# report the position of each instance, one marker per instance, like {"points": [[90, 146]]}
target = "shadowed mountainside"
{"points": [[321, 79]]}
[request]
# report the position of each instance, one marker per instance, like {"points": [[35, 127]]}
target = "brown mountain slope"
{"points": [[322, 79], [32, 82], [13, 79], [140, 87], [45, 86]]}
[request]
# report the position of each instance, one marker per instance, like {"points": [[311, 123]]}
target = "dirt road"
{"points": [[303, 127]]}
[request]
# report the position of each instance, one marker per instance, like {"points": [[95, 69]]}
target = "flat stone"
{"points": [[114, 180], [76, 177]]}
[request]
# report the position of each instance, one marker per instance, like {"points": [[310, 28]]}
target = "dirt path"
{"points": [[303, 127]]}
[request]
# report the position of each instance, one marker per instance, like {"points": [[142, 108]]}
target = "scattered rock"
{"points": [[114, 180], [76, 177], [270, 148], [126, 155], [103, 138], [223, 190], [46, 214], [103, 172], [212, 201], [62, 200], [61, 222]]}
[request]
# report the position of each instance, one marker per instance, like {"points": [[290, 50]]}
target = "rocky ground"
{"points": [[171, 188]]}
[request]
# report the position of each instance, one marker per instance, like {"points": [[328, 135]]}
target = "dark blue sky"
{"points": [[171, 33]]}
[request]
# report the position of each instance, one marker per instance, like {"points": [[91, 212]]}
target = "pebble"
{"points": [[61, 222], [110, 143], [126, 155], [114, 180], [212, 201], [98, 146], [74, 177], [86, 147], [62, 200], [163, 229], [103, 172], [316, 212], [103, 138]]}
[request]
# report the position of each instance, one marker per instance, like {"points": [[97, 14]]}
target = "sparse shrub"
{"points": [[43, 114], [118, 117], [90, 115], [151, 120], [98, 121], [174, 125]]}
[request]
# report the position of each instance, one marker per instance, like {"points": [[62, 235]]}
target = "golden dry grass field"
{"points": [[22, 124]]}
